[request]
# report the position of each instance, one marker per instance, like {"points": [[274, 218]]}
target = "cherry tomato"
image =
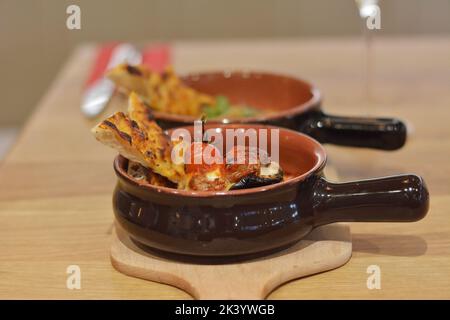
{"points": [[203, 157]]}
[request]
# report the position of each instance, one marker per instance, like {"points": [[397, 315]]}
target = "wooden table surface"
{"points": [[55, 195]]}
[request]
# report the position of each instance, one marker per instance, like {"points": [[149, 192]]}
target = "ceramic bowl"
{"points": [[261, 219], [291, 103]]}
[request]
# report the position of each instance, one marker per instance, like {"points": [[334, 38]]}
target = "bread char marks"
{"points": [[133, 70], [124, 135], [143, 117], [140, 139]]}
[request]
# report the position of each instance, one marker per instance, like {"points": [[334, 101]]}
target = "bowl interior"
{"points": [[299, 155], [259, 90]]}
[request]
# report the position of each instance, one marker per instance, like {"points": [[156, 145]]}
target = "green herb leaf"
{"points": [[221, 106]]}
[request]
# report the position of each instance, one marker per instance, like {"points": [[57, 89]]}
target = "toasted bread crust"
{"points": [[163, 92], [139, 139]]}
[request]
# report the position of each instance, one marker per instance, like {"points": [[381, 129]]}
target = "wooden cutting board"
{"points": [[325, 248]]}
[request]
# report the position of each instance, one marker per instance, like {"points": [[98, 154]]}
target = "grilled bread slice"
{"points": [[162, 92], [143, 174], [142, 141], [130, 78], [118, 132], [142, 114]]}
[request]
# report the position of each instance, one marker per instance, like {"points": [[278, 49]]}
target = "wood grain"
{"points": [[55, 195], [326, 248]]}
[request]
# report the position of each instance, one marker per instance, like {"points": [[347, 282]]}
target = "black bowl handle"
{"points": [[376, 133], [401, 198]]}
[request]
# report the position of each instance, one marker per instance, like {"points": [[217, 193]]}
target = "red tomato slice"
{"points": [[203, 157]]}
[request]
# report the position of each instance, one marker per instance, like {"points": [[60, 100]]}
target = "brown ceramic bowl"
{"points": [[293, 103], [260, 219]]}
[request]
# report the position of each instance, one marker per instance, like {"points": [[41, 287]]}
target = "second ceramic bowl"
{"points": [[293, 104]]}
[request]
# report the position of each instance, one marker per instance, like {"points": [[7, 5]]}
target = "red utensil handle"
{"points": [[157, 57], [104, 53]]}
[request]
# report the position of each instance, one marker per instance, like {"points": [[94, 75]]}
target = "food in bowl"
{"points": [[255, 97], [262, 219], [150, 152], [167, 93]]}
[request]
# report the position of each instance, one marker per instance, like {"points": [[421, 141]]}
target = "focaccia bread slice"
{"points": [[118, 132], [143, 174], [163, 92], [130, 78], [142, 141], [142, 114]]}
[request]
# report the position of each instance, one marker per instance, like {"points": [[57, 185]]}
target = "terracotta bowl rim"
{"points": [[320, 164], [315, 99]]}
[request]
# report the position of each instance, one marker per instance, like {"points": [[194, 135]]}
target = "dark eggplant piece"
{"points": [[268, 174]]}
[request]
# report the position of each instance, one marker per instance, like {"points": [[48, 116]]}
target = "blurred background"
{"points": [[35, 41]]}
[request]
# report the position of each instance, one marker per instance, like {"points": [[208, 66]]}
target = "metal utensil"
{"points": [[98, 94]]}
